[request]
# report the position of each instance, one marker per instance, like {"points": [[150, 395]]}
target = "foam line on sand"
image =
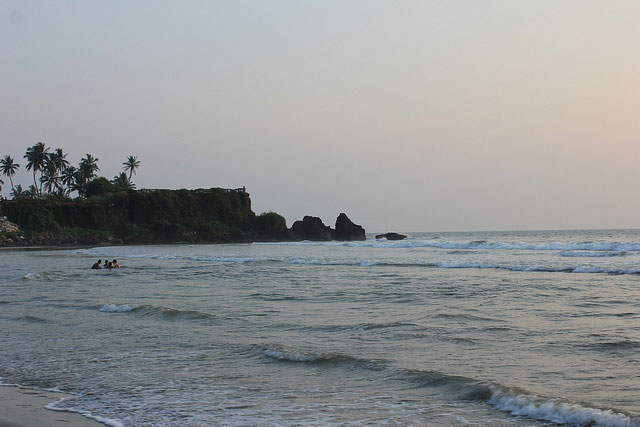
{"points": [[22, 407]]}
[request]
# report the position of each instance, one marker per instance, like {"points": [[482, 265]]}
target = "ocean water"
{"points": [[440, 329]]}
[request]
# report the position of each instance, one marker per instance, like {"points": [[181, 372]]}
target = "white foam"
{"points": [[369, 263], [478, 244], [557, 412], [106, 421], [112, 308]]}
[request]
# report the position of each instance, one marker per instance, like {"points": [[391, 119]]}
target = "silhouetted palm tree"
{"points": [[50, 178], [17, 192], [36, 157], [8, 168], [68, 178], [122, 182], [59, 160], [86, 171], [131, 165]]}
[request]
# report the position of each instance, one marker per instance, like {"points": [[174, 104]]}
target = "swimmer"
{"points": [[96, 266], [115, 264], [109, 266]]}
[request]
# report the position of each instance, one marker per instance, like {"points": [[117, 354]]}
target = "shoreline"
{"points": [[26, 407]]}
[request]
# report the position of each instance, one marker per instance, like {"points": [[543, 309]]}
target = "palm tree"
{"points": [[131, 165], [17, 192], [86, 170], [122, 182], [68, 178], [8, 168], [36, 157], [59, 159], [50, 178]]}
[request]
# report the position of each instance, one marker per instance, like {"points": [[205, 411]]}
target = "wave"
{"points": [[106, 421], [477, 265], [43, 275], [506, 399], [32, 319], [613, 345], [520, 402], [313, 358], [161, 312], [473, 244], [556, 411], [592, 254]]}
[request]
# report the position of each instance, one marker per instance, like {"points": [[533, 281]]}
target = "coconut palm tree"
{"points": [[50, 178], [8, 168], [131, 164], [68, 178], [86, 171], [36, 157], [58, 159], [122, 182], [17, 192]]}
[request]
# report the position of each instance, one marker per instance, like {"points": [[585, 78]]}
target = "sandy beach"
{"points": [[21, 407]]}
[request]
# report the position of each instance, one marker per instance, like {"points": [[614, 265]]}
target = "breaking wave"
{"points": [[473, 244], [472, 265], [557, 411], [510, 400]]}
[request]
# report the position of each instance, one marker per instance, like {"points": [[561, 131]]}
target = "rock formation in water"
{"points": [[391, 236], [312, 228], [347, 230]]}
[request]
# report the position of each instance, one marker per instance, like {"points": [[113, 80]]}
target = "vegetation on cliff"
{"points": [[145, 216]]}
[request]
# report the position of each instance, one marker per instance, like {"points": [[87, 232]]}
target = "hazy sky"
{"points": [[407, 115]]}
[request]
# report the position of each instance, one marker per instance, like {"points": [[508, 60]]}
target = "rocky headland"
{"points": [[212, 215]]}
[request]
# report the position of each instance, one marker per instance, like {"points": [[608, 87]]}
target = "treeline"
{"points": [[53, 174]]}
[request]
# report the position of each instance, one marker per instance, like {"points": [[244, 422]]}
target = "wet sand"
{"points": [[20, 407]]}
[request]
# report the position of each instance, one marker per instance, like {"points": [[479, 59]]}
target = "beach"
{"points": [[26, 408]]}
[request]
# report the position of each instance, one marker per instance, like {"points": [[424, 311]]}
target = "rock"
{"points": [[347, 230], [391, 236], [311, 228]]}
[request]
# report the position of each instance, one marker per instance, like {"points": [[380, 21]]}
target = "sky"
{"points": [[407, 115]]}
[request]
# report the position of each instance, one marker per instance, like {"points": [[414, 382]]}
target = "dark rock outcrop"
{"points": [[391, 236], [311, 228], [347, 230]]}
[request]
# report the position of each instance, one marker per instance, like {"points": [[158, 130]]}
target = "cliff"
{"points": [[145, 216]]}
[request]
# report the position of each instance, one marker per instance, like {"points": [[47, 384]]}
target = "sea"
{"points": [[535, 328]]}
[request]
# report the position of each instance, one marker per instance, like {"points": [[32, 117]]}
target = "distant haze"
{"points": [[407, 115]]}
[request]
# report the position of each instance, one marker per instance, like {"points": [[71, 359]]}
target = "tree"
{"points": [[58, 159], [122, 182], [131, 164], [50, 178], [8, 168], [36, 157], [68, 179], [86, 171], [17, 192]]}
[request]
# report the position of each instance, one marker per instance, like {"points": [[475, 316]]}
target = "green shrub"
{"points": [[28, 214], [270, 222], [99, 186]]}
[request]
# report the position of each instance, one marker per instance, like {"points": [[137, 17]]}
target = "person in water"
{"points": [[115, 264], [109, 266], [96, 266]]}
